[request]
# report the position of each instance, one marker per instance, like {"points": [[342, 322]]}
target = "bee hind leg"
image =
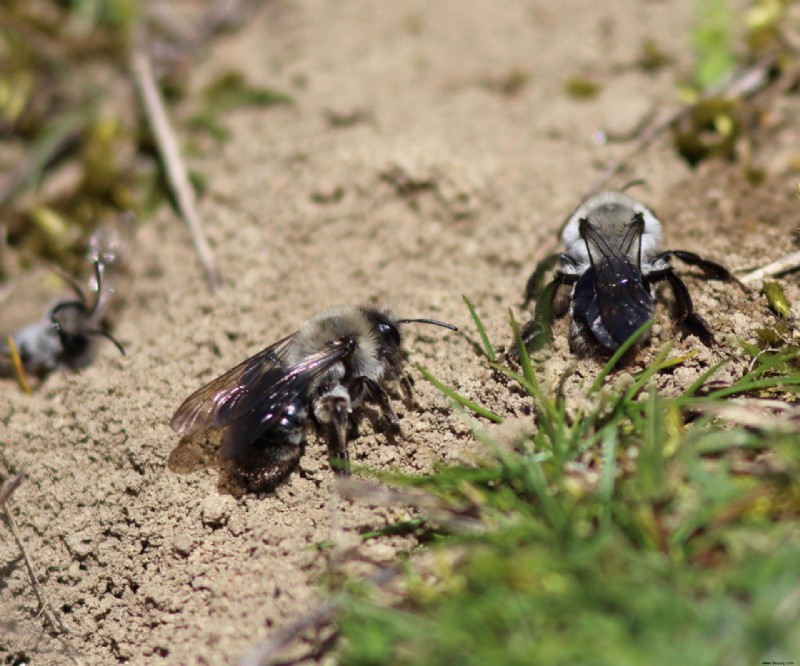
{"points": [[686, 319], [711, 269]]}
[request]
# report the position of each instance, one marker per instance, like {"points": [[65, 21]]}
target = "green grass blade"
{"points": [[524, 357], [609, 471], [508, 372], [459, 399], [623, 348], [791, 383], [487, 345], [705, 376], [647, 373]]}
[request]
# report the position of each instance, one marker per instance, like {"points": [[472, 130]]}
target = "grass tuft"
{"points": [[646, 529]]}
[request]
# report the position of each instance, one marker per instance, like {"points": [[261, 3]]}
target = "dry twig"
{"points": [[9, 487], [747, 83], [791, 262], [52, 618], [170, 154]]}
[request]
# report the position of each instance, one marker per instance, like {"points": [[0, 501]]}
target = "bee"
{"points": [[64, 337], [322, 374], [613, 265]]}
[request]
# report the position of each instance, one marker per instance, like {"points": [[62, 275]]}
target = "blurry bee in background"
{"points": [[335, 363], [65, 336], [613, 264]]}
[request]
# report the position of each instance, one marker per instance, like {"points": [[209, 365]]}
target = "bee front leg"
{"points": [[408, 393], [378, 394], [338, 426]]}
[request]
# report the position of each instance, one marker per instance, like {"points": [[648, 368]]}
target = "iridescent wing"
{"points": [[623, 301], [218, 401], [260, 394], [278, 401]]}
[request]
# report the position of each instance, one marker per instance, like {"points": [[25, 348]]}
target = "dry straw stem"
{"points": [[9, 487], [747, 83], [791, 262], [164, 135], [52, 618]]}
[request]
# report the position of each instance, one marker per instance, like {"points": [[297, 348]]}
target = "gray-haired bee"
{"points": [[613, 264], [322, 373], [64, 337]]}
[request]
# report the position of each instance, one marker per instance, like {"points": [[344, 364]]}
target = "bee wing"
{"points": [[216, 403], [624, 302], [278, 402], [257, 393]]}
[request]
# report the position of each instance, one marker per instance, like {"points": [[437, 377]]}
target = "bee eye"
{"points": [[389, 334]]}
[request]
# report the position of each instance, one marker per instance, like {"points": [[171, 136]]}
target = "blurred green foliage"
{"points": [[75, 147], [714, 57], [758, 44], [643, 529], [71, 152]]}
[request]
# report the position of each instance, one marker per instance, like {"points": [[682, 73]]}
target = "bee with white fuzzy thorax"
{"points": [[613, 264], [337, 361], [65, 337]]}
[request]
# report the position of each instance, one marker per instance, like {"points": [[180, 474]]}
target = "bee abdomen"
{"points": [[292, 424]]}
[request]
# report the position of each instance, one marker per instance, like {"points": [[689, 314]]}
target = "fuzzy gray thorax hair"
{"points": [[336, 324], [611, 214]]}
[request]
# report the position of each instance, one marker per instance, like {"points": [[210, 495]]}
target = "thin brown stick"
{"points": [[267, 652], [791, 262], [9, 487], [52, 618], [177, 177], [3, 248]]}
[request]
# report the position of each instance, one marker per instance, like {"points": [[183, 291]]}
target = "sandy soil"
{"points": [[410, 170]]}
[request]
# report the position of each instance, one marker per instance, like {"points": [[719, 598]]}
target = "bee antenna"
{"points": [[428, 321], [108, 336], [633, 183]]}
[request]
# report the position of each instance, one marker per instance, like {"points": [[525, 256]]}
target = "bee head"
{"points": [[385, 327], [68, 319]]}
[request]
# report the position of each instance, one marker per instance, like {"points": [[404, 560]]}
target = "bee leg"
{"points": [[338, 426], [408, 393], [538, 332], [404, 379], [379, 395], [711, 269], [683, 312]]}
